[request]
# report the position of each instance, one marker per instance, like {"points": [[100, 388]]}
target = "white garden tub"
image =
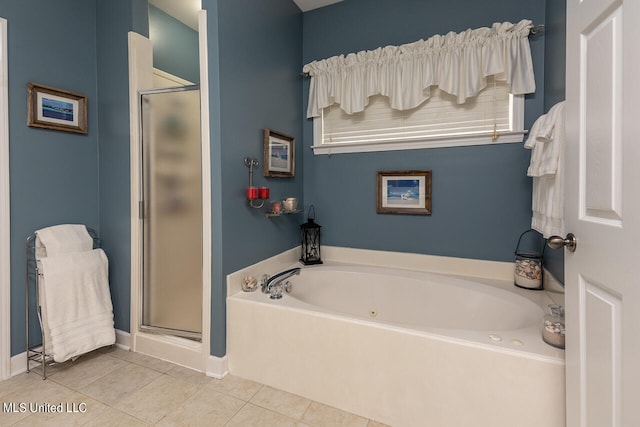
{"points": [[402, 347]]}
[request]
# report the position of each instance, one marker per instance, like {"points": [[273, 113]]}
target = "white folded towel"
{"points": [[65, 238], [548, 127], [79, 312], [546, 147], [532, 137], [546, 140]]}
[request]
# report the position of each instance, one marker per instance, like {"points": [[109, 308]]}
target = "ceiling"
{"points": [[186, 11], [306, 5]]}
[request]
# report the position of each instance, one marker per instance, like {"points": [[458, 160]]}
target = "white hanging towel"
{"points": [[79, 313], [546, 140]]}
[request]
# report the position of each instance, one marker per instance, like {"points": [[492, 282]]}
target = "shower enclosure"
{"points": [[171, 212]]}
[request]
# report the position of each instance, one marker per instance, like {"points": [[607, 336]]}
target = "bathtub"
{"points": [[406, 348]]}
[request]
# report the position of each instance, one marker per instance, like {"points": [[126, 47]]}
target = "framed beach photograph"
{"points": [[404, 192], [279, 154], [56, 109]]}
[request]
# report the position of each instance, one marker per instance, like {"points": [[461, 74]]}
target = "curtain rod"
{"points": [[535, 31]]}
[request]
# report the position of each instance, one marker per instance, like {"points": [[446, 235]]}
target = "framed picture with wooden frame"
{"points": [[279, 155], [56, 109], [404, 192]]}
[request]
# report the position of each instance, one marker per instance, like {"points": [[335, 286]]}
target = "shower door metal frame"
{"points": [[143, 210]]}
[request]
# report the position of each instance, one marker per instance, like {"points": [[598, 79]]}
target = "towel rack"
{"points": [[37, 354]]}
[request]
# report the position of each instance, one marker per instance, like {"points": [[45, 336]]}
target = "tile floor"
{"points": [[114, 387]]}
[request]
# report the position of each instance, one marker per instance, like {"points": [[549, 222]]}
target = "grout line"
{"points": [[235, 413]]}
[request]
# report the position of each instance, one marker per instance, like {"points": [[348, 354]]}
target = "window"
{"points": [[438, 122], [438, 92]]}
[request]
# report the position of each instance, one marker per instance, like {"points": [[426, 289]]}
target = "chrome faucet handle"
{"points": [[276, 291], [288, 287], [263, 282]]}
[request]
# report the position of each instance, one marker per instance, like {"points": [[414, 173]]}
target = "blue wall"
{"points": [[54, 175], [481, 196], [114, 19], [254, 58], [256, 50], [554, 91], [555, 52], [255, 84], [175, 46]]}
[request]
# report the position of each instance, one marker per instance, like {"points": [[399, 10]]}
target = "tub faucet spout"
{"points": [[273, 282]]}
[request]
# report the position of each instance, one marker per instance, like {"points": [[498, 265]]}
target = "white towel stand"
{"points": [[37, 354]]}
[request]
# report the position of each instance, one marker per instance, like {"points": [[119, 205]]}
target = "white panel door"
{"points": [[603, 211]]}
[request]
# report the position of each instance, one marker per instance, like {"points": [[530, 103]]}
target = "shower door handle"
{"points": [[557, 242]]}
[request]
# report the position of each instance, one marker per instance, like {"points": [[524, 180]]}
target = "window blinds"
{"points": [[438, 117]]}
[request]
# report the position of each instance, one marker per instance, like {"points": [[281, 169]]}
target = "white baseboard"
{"points": [[123, 340], [217, 367], [19, 363]]}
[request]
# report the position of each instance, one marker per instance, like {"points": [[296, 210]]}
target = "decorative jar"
{"points": [[290, 204], [528, 263], [553, 328]]}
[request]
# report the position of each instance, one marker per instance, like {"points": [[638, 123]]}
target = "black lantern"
{"points": [[310, 234]]}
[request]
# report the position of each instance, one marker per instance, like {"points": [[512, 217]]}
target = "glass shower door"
{"points": [[172, 212]]}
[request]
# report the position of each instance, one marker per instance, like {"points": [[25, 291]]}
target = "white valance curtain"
{"points": [[457, 63]]}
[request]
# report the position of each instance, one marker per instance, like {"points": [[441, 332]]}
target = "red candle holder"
{"points": [[252, 193], [263, 192]]}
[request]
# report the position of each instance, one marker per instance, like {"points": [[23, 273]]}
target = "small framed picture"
{"points": [[56, 109], [404, 192], [279, 154]]}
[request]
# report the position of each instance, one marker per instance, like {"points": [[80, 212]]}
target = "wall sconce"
{"points": [[255, 193]]}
